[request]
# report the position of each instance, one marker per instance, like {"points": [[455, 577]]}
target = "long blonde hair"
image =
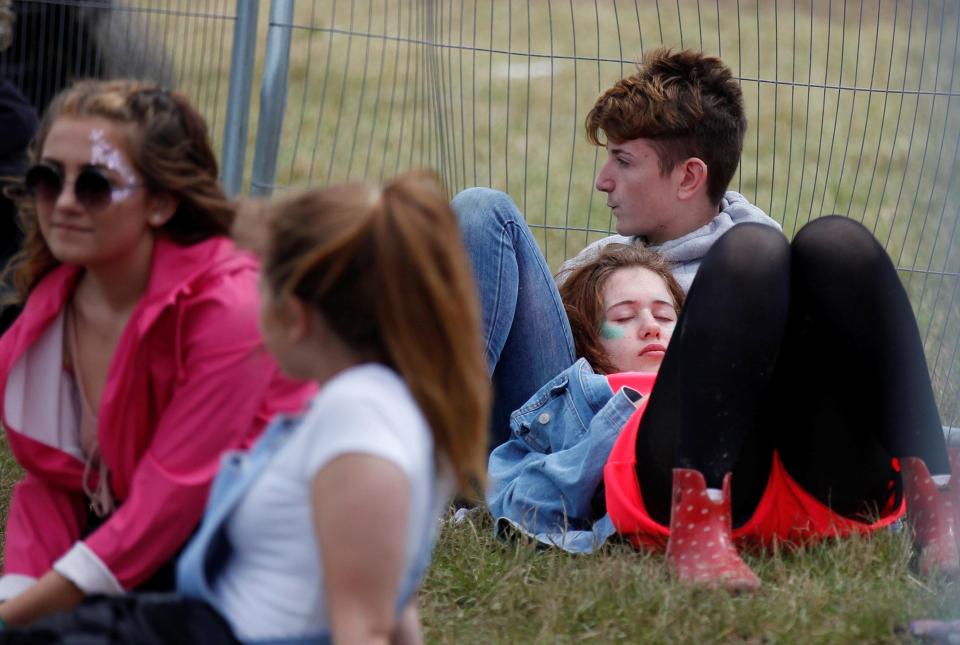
{"points": [[387, 270]]}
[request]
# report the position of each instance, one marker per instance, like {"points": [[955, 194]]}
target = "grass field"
{"points": [[10, 473], [853, 109], [479, 590], [853, 591]]}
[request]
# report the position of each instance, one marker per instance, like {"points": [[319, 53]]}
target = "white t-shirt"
{"points": [[273, 586]]}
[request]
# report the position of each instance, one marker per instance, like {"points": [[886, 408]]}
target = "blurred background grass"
{"points": [[852, 104]]}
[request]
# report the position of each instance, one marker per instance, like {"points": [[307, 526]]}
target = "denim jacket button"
{"points": [[543, 418]]}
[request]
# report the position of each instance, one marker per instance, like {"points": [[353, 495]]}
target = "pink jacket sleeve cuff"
{"points": [[81, 566], [13, 584]]}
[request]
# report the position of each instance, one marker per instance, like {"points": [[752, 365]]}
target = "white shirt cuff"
{"points": [[13, 584], [82, 567]]}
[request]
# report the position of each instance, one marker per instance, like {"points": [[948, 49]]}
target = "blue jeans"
{"points": [[527, 335]]}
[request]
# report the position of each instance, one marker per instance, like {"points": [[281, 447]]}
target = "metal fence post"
{"points": [[238, 98], [273, 98]]}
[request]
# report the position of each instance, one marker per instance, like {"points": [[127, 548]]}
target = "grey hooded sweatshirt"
{"points": [[685, 252]]}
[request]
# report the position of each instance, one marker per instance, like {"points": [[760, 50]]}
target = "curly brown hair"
{"points": [[167, 142], [582, 295], [687, 104]]}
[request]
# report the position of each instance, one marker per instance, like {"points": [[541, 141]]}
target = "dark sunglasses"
{"points": [[92, 188]]}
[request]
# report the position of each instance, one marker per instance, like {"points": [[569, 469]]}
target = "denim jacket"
{"points": [[545, 481], [208, 552]]}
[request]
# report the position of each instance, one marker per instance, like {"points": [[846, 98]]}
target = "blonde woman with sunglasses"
{"points": [[137, 359]]}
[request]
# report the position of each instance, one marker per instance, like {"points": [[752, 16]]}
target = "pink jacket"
{"points": [[190, 378]]}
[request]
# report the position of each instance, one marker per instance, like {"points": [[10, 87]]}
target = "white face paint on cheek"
{"points": [[104, 154]]}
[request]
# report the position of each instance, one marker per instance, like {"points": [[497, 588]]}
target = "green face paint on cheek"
{"points": [[611, 331]]}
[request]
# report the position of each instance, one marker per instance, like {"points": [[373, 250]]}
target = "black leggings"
{"points": [[808, 348]]}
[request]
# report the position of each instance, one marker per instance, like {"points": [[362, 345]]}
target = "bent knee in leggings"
{"points": [[838, 245], [749, 261], [747, 248], [743, 245]]}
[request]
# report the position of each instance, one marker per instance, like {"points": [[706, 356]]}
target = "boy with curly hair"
{"points": [[674, 133]]}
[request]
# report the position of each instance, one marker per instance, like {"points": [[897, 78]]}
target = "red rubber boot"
{"points": [[700, 549], [933, 516]]}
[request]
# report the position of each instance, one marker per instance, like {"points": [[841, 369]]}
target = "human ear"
{"points": [[692, 178], [160, 208], [296, 319]]}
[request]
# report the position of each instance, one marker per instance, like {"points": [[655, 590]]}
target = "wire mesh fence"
{"points": [[853, 109], [853, 106]]}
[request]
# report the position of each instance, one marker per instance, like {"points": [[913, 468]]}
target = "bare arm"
{"points": [[360, 507], [408, 630], [50, 594]]}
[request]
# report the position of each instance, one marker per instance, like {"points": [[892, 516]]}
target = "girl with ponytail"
{"points": [[368, 292], [384, 270]]}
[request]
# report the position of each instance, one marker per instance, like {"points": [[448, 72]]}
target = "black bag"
{"points": [[137, 619]]}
